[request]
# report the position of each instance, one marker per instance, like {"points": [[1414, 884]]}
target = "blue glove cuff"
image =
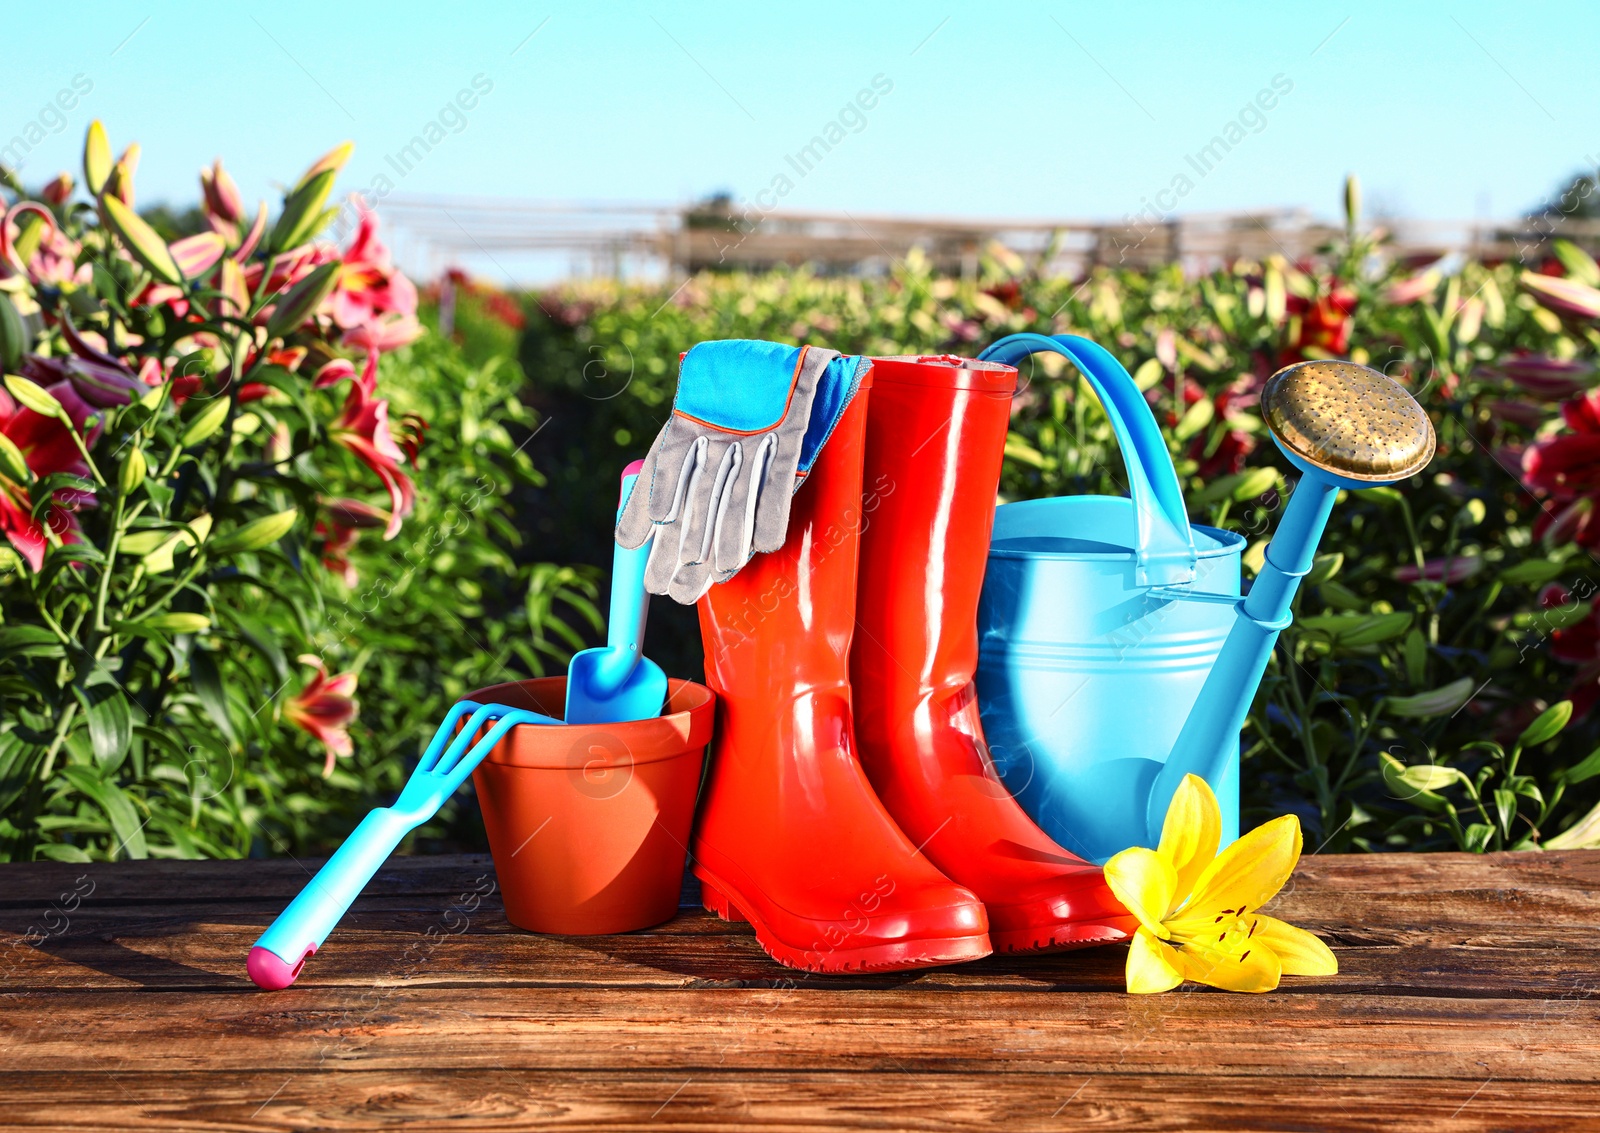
{"points": [[737, 385], [835, 391]]}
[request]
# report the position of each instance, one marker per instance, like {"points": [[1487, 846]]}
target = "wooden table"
{"points": [[1467, 998]]}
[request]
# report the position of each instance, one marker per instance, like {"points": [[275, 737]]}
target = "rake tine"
{"points": [[463, 738], [469, 762], [445, 732]]}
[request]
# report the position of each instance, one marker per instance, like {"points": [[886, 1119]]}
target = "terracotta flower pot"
{"points": [[589, 824]]}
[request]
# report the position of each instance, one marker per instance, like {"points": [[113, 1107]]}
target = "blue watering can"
{"points": [[1117, 654]]}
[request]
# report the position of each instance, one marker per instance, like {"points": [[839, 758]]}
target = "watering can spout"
{"points": [[1343, 426]]}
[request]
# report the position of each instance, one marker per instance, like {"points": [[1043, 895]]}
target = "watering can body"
{"points": [[1086, 674], [1116, 654]]}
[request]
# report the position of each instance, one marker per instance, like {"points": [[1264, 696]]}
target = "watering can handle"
{"points": [[1163, 545]]}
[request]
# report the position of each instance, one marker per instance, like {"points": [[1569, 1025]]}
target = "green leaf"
{"points": [[28, 641], [1556, 617], [303, 300], [1438, 702], [1505, 805], [1416, 655], [207, 680], [1585, 769], [206, 423], [1324, 567], [1547, 726], [110, 723], [1256, 482], [1358, 629], [1531, 571], [14, 337], [61, 852], [18, 760], [1478, 836], [1581, 835], [119, 808], [254, 535], [1341, 597], [1580, 265]]}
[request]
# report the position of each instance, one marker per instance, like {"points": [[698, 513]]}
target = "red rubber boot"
{"points": [[935, 441], [790, 835]]}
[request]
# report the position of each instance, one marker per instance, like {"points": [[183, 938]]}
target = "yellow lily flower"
{"points": [[1199, 913]]}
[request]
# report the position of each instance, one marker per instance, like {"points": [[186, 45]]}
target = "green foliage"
{"points": [[1420, 634], [190, 444]]}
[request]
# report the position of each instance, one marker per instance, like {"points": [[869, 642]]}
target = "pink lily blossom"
{"points": [[1449, 571], [363, 428], [324, 709], [47, 447]]}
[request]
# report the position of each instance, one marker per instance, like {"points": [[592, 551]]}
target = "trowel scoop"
{"points": [[616, 682]]}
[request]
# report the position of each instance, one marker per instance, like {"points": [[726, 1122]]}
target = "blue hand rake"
{"points": [[276, 959]]}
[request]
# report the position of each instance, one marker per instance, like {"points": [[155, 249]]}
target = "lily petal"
{"points": [[1153, 965], [1251, 969], [1247, 874], [1191, 832], [1299, 952], [1144, 882]]}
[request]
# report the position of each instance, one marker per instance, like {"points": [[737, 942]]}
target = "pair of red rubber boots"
{"points": [[851, 813]]}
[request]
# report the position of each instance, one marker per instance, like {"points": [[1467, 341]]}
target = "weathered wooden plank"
{"points": [[211, 957], [273, 880], [1575, 872], [1199, 1032], [501, 1101]]}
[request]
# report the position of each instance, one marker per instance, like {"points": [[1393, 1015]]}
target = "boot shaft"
{"points": [[792, 611], [935, 443]]}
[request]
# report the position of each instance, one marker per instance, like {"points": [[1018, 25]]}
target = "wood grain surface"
{"points": [[1468, 998]]}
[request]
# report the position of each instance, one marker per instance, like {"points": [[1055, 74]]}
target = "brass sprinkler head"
{"points": [[1347, 420]]}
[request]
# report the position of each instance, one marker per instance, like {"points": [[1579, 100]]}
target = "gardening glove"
{"points": [[747, 422]]}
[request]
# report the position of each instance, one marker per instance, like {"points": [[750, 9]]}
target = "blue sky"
{"points": [[1054, 110]]}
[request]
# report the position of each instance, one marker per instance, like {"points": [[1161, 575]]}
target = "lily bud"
{"points": [[120, 183], [96, 157], [221, 195], [13, 465], [236, 296], [254, 535], [330, 162], [139, 238], [1563, 296], [1352, 202], [58, 191], [302, 216], [198, 254], [134, 469]]}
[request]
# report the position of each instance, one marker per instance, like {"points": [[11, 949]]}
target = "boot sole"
{"points": [[892, 957]]}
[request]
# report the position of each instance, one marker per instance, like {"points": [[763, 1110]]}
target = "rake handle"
{"points": [[302, 927]]}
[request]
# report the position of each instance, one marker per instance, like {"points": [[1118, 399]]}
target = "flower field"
{"points": [[1437, 690], [263, 521]]}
